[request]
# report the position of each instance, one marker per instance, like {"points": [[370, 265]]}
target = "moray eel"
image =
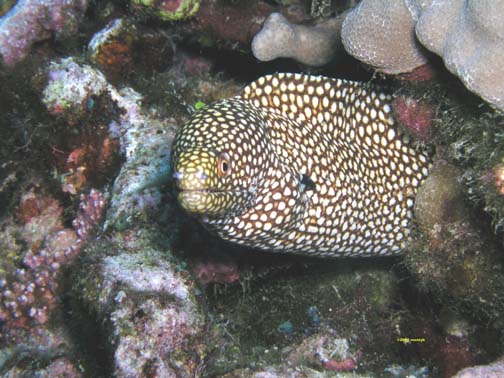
{"points": [[299, 163]]}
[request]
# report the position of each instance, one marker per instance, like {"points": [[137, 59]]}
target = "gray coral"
{"points": [[311, 45], [382, 35], [469, 36]]}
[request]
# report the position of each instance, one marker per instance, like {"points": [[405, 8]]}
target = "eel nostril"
{"points": [[201, 175]]}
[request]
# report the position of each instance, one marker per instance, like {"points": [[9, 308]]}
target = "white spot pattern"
{"points": [[338, 134]]}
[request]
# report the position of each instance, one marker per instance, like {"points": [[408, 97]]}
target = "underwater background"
{"points": [[103, 273]]}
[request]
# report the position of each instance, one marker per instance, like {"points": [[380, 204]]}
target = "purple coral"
{"points": [[90, 213], [214, 271], [31, 21], [28, 294], [415, 116]]}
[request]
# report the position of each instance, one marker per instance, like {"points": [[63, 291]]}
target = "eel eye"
{"points": [[224, 165]]}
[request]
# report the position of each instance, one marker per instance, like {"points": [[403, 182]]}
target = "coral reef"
{"points": [[90, 163], [497, 178], [90, 213], [382, 35], [321, 8], [398, 371], [112, 48], [472, 134], [137, 188], [5, 6], [31, 21], [440, 199], [276, 371], [142, 138], [314, 46], [323, 351], [130, 280], [87, 154], [43, 366], [149, 293], [319, 318], [469, 36]]}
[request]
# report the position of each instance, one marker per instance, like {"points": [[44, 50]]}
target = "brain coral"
{"points": [[382, 34], [469, 36]]}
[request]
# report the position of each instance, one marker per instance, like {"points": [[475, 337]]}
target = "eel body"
{"points": [[299, 163]]}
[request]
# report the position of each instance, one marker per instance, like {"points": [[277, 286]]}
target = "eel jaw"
{"points": [[214, 203]]}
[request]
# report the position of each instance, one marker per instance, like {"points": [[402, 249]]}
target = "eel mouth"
{"points": [[208, 190], [204, 190]]}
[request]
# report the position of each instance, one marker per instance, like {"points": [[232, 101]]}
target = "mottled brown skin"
{"points": [[300, 163]]}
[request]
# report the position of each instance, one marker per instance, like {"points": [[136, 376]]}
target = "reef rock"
{"points": [[469, 36], [147, 144], [70, 86], [151, 318], [494, 370], [143, 139]]}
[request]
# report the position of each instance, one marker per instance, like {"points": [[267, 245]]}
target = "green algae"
{"points": [[470, 135], [256, 313], [5, 6], [162, 10], [453, 255]]}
